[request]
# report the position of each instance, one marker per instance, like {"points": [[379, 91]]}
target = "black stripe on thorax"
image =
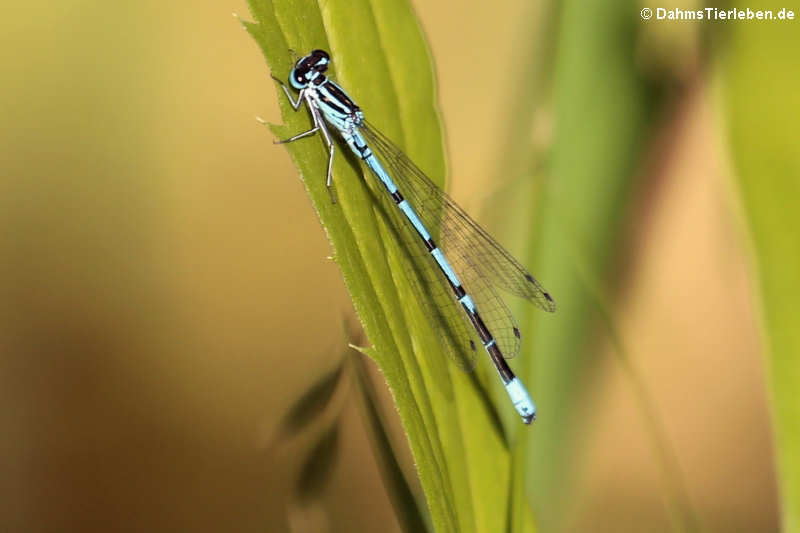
{"points": [[338, 93], [332, 103]]}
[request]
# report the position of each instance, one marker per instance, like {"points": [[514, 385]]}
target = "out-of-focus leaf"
{"points": [[318, 467], [762, 77], [410, 516], [678, 503], [311, 404], [602, 109]]}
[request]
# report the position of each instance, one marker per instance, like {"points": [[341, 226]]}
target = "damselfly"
{"points": [[465, 252]]}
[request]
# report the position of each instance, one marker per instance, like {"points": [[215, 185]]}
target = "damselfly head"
{"points": [[309, 68]]}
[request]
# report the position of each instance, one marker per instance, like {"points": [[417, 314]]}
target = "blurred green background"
{"points": [[167, 292]]}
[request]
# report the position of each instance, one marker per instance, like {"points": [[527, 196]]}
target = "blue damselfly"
{"points": [[465, 265]]}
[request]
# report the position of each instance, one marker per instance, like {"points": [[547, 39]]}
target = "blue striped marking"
{"points": [[468, 303], [445, 266]]}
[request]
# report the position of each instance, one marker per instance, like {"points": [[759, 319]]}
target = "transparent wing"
{"points": [[429, 284], [490, 306], [457, 231], [478, 260]]}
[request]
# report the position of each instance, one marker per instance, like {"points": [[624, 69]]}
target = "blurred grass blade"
{"points": [[520, 516], [602, 109], [318, 467], [408, 513], [763, 111], [381, 58], [676, 496], [311, 404]]}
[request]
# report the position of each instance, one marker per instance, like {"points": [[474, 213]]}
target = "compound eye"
{"points": [[320, 55], [298, 78], [320, 60], [299, 64]]}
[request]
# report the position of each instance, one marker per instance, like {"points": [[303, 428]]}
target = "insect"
{"points": [[466, 264]]}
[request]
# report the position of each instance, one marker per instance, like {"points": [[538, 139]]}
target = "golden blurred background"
{"points": [[167, 292]]}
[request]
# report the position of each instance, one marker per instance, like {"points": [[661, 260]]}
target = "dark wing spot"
{"points": [[516, 333], [472, 344], [547, 295]]}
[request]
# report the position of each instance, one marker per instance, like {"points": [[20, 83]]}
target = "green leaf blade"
{"points": [[762, 84], [378, 54]]}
